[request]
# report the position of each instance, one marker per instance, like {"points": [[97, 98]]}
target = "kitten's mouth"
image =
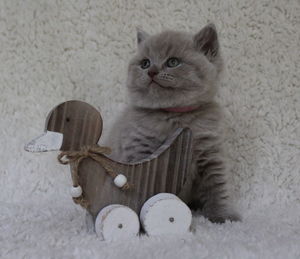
{"points": [[159, 85]]}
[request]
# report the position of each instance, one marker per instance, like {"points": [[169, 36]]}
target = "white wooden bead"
{"points": [[76, 191], [117, 222], [120, 180], [165, 213]]}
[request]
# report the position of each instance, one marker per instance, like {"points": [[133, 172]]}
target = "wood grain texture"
{"points": [[164, 171], [117, 222], [80, 123], [165, 213]]}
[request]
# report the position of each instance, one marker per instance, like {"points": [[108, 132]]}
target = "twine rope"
{"points": [[94, 152]]}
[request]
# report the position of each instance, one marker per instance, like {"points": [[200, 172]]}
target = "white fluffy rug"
{"points": [[52, 51]]}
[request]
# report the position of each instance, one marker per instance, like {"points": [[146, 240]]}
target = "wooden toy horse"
{"points": [[114, 193]]}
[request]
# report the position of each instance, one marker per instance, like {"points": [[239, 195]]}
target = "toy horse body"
{"points": [[73, 125]]}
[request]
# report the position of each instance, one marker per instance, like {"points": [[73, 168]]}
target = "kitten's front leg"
{"points": [[138, 147], [209, 192]]}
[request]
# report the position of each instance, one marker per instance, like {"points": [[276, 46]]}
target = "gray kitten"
{"points": [[172, 82]]}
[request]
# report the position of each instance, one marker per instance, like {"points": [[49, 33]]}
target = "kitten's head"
{"points": [[173, 69]]}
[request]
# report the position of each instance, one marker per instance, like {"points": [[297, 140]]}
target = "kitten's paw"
{"points": [[222, 218], [216, 213]]}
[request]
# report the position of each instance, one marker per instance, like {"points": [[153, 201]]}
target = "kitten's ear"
{"points": [[207, 42], [141, 35]]}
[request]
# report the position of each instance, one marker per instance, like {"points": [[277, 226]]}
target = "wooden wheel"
{"points": [[116, 222], [165, 213]]}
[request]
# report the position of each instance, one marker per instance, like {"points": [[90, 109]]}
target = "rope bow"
{"points": [[94, 152]]}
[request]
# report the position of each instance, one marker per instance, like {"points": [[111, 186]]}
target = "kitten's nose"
{"points": [[152, 72]]}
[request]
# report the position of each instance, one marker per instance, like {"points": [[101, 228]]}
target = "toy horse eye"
{"points": [[145, 63], [173, 62]]}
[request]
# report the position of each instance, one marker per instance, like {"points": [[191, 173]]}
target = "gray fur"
{"points": [[144, 125]]}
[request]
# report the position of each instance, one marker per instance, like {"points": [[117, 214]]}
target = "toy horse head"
{"points": [[69, 126]]}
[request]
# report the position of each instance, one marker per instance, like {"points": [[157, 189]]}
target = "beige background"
{"points": [[52, 51]]}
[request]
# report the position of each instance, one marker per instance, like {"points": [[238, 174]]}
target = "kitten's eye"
{"points": [[145, 63], [173, 62]]}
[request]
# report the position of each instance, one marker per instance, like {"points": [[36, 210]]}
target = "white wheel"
{"points": [[165, 213], [116, 222]]}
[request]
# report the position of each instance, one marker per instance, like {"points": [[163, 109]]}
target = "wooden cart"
{"points": [[154, 185]]}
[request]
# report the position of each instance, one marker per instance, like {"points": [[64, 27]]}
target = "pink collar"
{"points": [[181, 109]]}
